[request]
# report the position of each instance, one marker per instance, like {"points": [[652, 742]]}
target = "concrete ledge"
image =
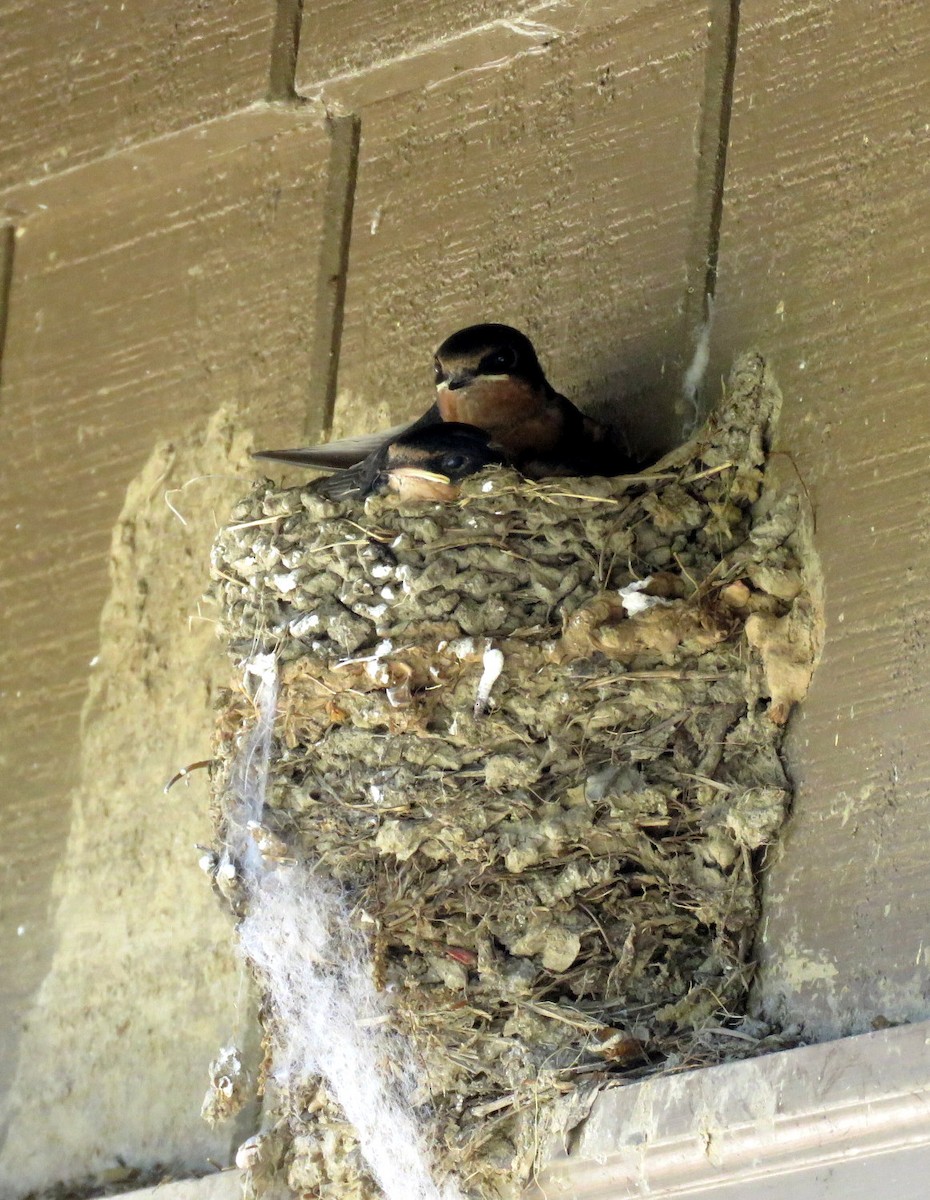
{"points": [[225, 1185], [845, 1120], [838, 1121]]}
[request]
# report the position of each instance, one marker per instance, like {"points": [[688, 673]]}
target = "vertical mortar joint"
{"points": [[285, 44], [713, 140], [719, 131], [7, 250], [332, 274]]}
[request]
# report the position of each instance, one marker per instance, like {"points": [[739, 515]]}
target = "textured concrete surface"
{"points": [[224, 1186], [100, 76], [138, 308], [825, 261], [544, 175], [143, 984]]}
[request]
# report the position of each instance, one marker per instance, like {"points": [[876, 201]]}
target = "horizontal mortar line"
{"points": [[307, 113], [314, 115], [563, 11], [317, 89], [533, 31], [492, 64]]}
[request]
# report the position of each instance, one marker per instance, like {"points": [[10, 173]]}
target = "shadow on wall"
{"points": [[144, 981], [641, 395]]}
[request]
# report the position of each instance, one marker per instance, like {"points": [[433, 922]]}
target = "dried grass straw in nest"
{"points": [[533, 737]]}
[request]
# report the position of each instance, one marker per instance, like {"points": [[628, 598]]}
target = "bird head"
{"points": [[486, 353], [428, 464]]}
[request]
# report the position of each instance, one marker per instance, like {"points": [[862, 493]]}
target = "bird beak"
{"points": [[456, 382], [414, 483]]}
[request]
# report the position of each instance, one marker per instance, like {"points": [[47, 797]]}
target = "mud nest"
{"points": [[553, 848]]}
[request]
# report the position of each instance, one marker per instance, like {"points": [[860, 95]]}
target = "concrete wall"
{"points": [[173, 288], [825, 261]]}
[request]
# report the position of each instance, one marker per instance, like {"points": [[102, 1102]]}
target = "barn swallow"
{"points": [[421, 464], [487, 376], [490, 376]]}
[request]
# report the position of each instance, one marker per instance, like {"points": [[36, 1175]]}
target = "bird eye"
{"points": [[453, 462], [499, 362], [440, 373]]}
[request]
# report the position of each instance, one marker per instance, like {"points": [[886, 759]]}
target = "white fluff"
{"points": [[693, 379], [633, 599], [316, 969]]}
